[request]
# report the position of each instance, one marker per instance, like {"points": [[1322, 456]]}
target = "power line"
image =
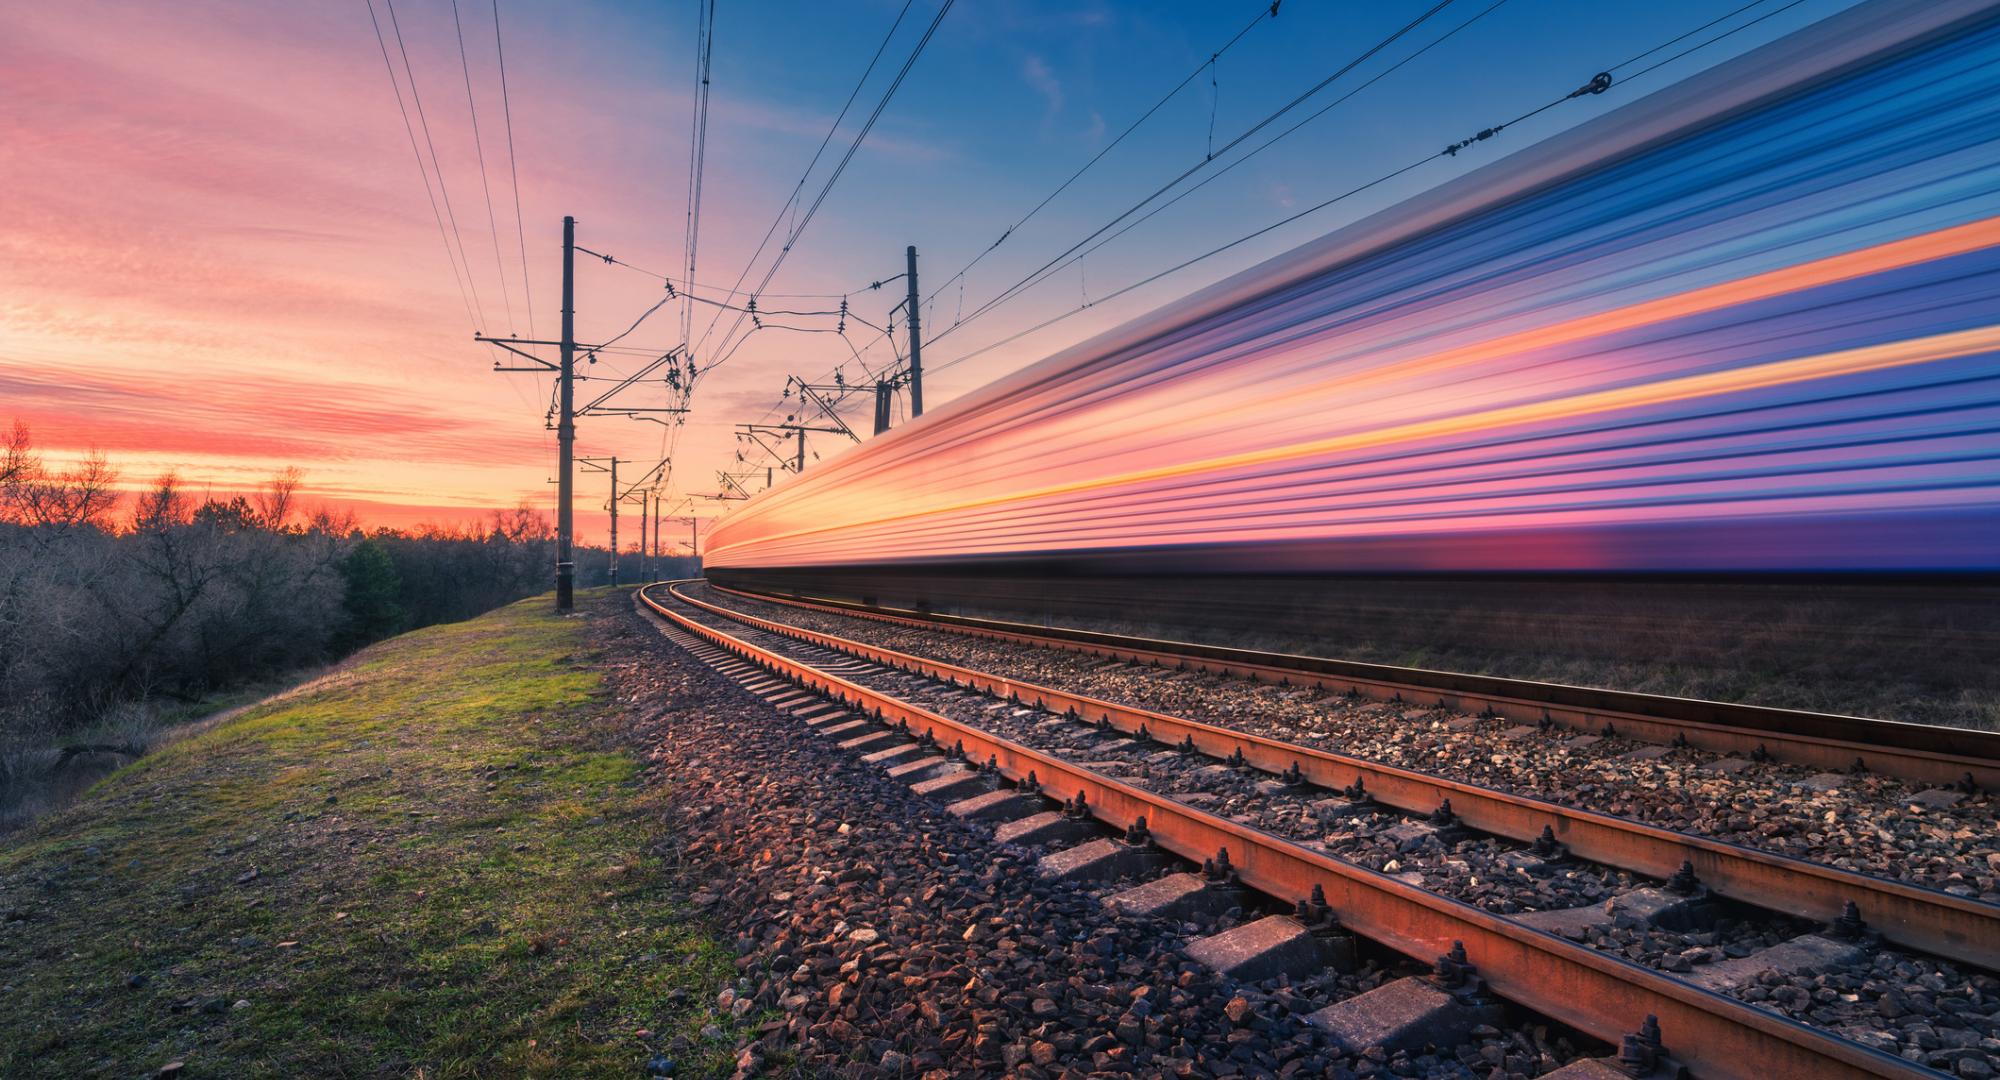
{"points": [[855, 146], [698, 147], [1265, 11], [514, 171], [798, 230], [1713, 40], [684, 284], [1595, 86], [807, 174], [424, 122], [1251, 154], [422, 172], [479, 146], [1011, 291]]}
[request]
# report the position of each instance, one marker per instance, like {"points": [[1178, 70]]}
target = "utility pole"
{"points": [[612, 505], [916, 344], [565, 419], [565, 413], [566, 430], [657, 500], [642, 537], [883, 395]]}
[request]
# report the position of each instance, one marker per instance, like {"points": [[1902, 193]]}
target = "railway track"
{"points": [[1582, 986], [1945, 757]]}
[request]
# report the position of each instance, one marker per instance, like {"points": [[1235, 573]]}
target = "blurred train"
{"points": [[1746, 326]]}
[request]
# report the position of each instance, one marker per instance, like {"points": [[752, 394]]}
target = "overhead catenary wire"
{"points": [[1595, 86], [514, 172], [1049, 267], [728, 349], [697, 148], [485, 185], [422, 171], [685, 283], [1713, 40], [799, 187], [444, 190], [1265, 11], [833, 178], [1251, 154]]}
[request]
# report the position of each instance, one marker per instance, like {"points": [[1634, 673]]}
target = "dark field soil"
{"points": [[1913, 651]]}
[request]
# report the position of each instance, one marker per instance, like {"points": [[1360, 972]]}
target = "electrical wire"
{"points": [[514, 171], [1250, 155], [697, 147], [422, 172], [1046, 268], [1596, 86], [479, 146], [685, 283], [1265, 11], [804, 176], [444, 190], [791, 240]]}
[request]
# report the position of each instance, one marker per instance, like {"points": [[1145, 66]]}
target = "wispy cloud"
{"points": [[1035, 71]]}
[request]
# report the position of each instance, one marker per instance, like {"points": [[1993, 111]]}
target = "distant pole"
{"points": [[566, 430], [882, 393], [916, 344], [658, 498], [614, 522], [694, 537], [643, 550]]}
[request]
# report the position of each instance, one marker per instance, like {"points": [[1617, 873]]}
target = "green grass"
{"points": [[451, 880]]}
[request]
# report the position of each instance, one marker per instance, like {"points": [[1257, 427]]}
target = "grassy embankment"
{"points": [[431, 863]]}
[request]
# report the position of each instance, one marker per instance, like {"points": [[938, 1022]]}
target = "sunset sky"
{"points": [[219, 258]]}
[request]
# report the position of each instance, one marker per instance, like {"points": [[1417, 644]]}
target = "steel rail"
{"points": [[1925, 919], [1597, 993], [1924, 753]]}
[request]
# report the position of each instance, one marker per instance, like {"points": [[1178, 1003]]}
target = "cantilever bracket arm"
{"points": [[509, 343]]}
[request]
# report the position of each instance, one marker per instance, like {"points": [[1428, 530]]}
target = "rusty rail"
{"points": [[1921, 752], [1920, 918], [1593, 992]]}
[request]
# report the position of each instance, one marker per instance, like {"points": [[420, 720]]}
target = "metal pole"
{"points": [[802, 451], [614, 522], [644, 551], [882, 392], [916, 343], [566, 429], [658, 498], [694, 538]]}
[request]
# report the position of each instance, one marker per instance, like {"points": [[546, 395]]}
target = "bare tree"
{"points": [[274, 501], [16, 457], [54, 504]]}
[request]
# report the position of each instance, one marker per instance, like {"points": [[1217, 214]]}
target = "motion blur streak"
{"points": [[1748, 323]]}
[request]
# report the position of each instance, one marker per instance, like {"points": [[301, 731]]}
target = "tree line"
{"points": [[107, 601]]}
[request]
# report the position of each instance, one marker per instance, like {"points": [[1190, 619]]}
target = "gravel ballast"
{"points": [[1947, 1018], [880, 936], [1864, 822]]}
